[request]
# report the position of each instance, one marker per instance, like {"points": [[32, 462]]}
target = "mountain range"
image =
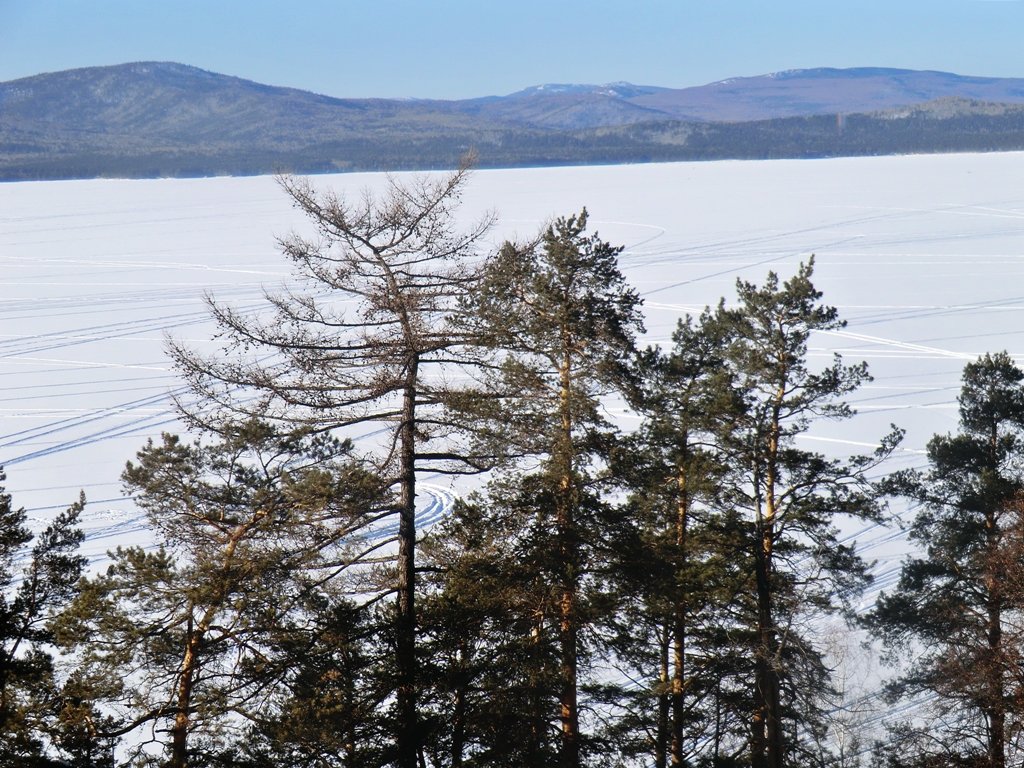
{"points": [[167, 119]]}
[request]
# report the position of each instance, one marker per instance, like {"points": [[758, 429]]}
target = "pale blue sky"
{"points": [[464, 48]]}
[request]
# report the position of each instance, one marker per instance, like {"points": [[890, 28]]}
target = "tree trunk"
{"points": [[191, 659], [773, 723], [405, 631], [762, 672], [459, 709], [568, 644], [995, 706], [767, 736], [662, 739], [349, 750], [680, 624], [568, 552], [179, 731], [537, 712], [768, 742], [568, 699]]}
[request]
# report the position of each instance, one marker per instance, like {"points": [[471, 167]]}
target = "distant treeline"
{"points": [[977, 129]]}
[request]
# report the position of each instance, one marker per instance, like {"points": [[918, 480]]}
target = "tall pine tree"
{"points": [[672, 575], [788, 500], [563, 322], [958, 608]]}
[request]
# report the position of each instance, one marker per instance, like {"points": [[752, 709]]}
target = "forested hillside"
{"points": [[169, 120]]}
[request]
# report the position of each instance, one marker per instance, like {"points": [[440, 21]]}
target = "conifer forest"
{"points": [[653, 592]]}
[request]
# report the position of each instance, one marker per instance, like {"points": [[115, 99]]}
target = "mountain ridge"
{"points": [[166, 118]]}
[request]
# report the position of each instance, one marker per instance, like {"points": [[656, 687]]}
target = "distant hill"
{"points": [[165, 119], [806, 92]]}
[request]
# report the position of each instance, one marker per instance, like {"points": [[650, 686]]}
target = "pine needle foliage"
{"points": [[957, 612], [179, 639]]}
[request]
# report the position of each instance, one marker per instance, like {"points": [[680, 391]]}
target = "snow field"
{"points": [[923, 255]]}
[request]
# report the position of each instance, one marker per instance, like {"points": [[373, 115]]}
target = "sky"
{"points": [[453, 49]]}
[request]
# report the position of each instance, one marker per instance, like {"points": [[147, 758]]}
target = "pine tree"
{"points": [[331, 707], [673, 576], [563, 321], [789, 500], [958, 608], [246, 527], [489, 635], [32, 596]]}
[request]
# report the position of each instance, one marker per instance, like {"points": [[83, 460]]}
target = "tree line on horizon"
{"points": [[943, 126], [651, 598]]}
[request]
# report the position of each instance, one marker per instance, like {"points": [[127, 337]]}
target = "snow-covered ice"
{"points": [[923, 255]]}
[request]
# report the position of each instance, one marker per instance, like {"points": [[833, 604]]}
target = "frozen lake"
{"points": [[923, 255]]}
